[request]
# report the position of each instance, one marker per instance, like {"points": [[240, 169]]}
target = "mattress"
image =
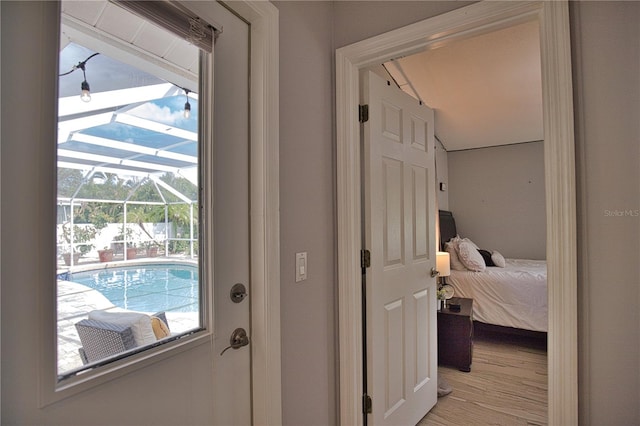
{"points": [[513, 296]]}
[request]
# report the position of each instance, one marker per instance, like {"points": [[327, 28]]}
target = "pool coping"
{"points": [[123, 263]]}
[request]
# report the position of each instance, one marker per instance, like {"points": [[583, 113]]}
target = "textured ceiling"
{"points": [[486, 90]]}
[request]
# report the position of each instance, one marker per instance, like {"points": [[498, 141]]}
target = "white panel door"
{"points": [[399, 229]]}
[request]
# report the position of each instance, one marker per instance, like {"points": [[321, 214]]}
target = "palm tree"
{"points": [[142, 214]]}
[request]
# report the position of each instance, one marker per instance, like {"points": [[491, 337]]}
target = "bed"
{"points": [[513, 296]]}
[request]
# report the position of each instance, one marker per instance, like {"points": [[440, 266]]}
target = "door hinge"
{"points": [[366, 404], [363, 113], [365, 259]]}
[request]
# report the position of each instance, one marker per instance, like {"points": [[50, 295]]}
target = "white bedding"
{"points": [[513, 296]]}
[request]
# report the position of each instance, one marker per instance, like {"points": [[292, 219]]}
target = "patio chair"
{"points": [[101, 339]]}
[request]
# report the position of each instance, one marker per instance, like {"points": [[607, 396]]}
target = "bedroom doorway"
{"points": [[559, 174]]}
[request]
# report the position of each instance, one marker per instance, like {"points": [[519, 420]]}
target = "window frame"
{"points": [[94, 376]]}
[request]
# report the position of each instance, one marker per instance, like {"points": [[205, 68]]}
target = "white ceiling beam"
{"points": [[65, 128], [156, 127], [112, 170], [72, 105], [170, 189], [115, 171], [104, 160], [126, 146]]}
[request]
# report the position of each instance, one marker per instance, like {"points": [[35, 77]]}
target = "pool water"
{"points": [[146, 288]]}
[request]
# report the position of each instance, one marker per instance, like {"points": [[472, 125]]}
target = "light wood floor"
{"points": [[507, 385]]}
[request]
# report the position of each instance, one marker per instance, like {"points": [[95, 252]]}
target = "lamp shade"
{"points": [[442, 264]]}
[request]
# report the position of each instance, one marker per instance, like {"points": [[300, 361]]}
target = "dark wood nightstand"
{"points": [[455, 334]]}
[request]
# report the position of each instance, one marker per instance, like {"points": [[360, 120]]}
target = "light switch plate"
{"points": [[301, 266]]}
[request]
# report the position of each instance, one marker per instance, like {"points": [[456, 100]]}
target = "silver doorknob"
{"points": [[434, 272], [237, 340]]}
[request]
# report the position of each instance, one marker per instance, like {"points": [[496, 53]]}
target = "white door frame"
{"points": [[266, 380], [264, 117], [553, 18]]}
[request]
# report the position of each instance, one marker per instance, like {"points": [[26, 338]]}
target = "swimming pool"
{"points": [[147, 287]]}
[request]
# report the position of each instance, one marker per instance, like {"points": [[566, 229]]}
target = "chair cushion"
{"points": [[140, 324], [160, 328]]}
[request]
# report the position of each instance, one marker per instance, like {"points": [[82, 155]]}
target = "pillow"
{"points": [[471, 257], [486, 256], [140, 324], [456, 265], [159, 327], [466, 240], [498, 259]]}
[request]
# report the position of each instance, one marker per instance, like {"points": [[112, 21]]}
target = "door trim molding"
{"points": [[553, 18], [264, 206], [266, 377]]}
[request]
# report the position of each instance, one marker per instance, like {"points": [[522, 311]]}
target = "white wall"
{"points": [[307, 220], [606, 63], [497, 196], [442, 176]]}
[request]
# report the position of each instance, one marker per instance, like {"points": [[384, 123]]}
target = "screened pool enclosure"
{"points": [[127, 162]]}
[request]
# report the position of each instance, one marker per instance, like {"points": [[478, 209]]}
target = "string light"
{"points": [[85, 90], [85, 94], [187, 105]]}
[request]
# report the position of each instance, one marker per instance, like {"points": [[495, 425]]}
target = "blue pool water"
{"points": [[146, 288]]}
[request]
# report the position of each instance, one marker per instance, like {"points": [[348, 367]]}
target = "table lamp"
{"points": [[443, 267]]}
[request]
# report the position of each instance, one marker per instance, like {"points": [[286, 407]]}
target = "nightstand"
{"points": [[455, 334]]}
